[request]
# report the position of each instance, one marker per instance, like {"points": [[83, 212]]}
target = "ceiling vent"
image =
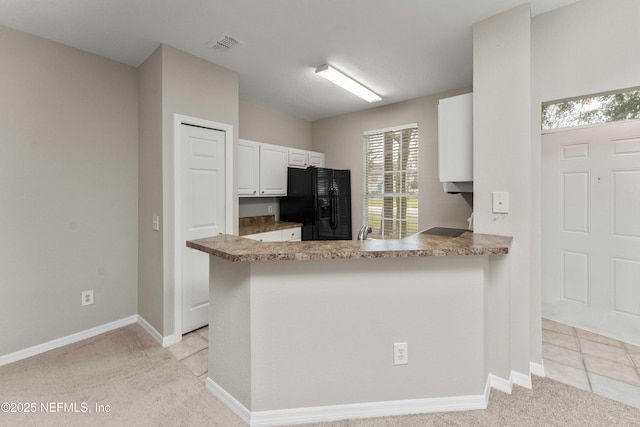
{"points": [[222, 45]]}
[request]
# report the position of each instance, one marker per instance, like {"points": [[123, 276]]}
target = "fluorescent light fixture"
{"points": [[345, 82]]}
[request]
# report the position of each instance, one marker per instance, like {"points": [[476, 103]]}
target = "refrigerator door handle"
{"points": [[333, 200]]}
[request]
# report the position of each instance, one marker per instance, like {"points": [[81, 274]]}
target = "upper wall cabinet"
{"points": [[316, 159], [455, 143], [248, 168], [298, 158], [262, 169], [273, 170], [303, 158]]}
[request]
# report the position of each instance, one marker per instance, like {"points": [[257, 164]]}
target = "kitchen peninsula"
{"points": [[305, 331]]}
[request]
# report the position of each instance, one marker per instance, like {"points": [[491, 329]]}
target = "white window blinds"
{"points": [[390, 205]]}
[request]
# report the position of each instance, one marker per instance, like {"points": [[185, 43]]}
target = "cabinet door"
{"points": [[273, 170], [298, 158], [248, 168], [455, 138], [316, 159], [292, 234]]}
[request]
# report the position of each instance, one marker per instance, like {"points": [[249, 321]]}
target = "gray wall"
{"points": [[69, 163], [340, 138], [501, 137], [192, 87], [282, 345], [68, 190], [262, 124], [150, 273], [571, 58]]}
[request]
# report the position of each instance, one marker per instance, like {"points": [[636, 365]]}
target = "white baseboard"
{"points": [[88, 333], [537, 369], [231, 402], [163, 341], [523, 380], [515, 378], [347, 411], [499, 383], [69, 339]]}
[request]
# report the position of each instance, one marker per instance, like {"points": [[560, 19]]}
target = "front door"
{"points": [[203, 215], [591, 228]]}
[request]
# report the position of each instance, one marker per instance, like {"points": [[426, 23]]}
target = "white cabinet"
{"points": [[298, 158], [273, 170], [248, 168], [316, 159], [292, 234], [455, 143], [286, 235], [303, 158], [262, 169]]}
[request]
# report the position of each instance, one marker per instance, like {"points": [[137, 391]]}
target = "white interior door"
{"points": [[591, 228], [203, 215]]}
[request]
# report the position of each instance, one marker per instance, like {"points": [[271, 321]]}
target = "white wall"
{"points": [[68, 190], [501, 137], [340, 138], [588, 47]]}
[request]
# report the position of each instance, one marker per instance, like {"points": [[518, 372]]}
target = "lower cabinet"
{"points": [[292, 234], [286, 235]]}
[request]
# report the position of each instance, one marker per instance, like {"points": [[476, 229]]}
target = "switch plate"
{"points": [[400, 353], [500, 202], [156, 223]]}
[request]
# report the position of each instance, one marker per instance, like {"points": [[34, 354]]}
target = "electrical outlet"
{"points": [[400, 353], [270, 209], [156, 223], [87, 297]]}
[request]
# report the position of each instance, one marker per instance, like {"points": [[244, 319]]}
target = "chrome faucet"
{"points": [[364, 232]]}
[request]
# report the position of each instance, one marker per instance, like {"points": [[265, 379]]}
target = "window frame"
{"points": [[589, 110], [397, 197]]}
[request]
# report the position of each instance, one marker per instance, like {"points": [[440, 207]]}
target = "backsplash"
{"points": [[257, 206]]}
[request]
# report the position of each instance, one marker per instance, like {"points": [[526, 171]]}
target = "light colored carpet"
{"points": [[145, 386], [126, 369]]}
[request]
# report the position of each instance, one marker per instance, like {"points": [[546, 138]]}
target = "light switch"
{"points": [[156, 223], [500, 202]]}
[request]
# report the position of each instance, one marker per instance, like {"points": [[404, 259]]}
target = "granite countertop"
{"points": [[262, 224], [234, 248]]}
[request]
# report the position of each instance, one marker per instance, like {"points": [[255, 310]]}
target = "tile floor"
{"points": [[193, 351], [591, 362], [572, 356]]}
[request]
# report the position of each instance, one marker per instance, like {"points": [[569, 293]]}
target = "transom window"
{"points": [[592, 110], [390, 205]]}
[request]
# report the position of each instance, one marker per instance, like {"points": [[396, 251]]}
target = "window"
{"points": [[390, 205], [592, 110]]}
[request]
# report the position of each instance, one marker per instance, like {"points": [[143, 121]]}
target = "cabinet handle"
{"points": [[262, 192], [254, 191]]}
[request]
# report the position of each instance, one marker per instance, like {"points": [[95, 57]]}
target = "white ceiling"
{"points": [[401, 49]]}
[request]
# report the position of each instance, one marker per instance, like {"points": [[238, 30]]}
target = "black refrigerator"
{"points": [[320, 199]]}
